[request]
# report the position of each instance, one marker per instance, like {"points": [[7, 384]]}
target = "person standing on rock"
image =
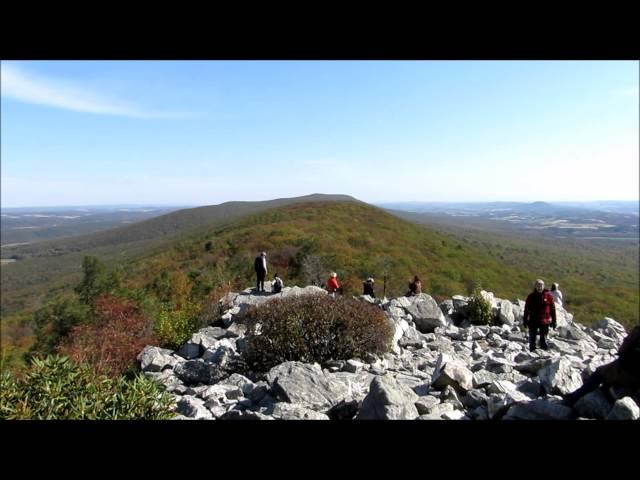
{"points": [[332, 284], [260, 266], [557, 294], [415, 287], [367, 287], [622, 372], [539, 315]]}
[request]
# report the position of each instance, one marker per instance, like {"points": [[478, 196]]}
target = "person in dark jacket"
{"points": [[539, 315], [367, 287], [415, 287], [260, 266], [622, 372]]}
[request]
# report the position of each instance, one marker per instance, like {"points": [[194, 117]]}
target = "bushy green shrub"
{"points": [[54, 322], [175, 326], [313, 328], [479, 309], [55, 388]]}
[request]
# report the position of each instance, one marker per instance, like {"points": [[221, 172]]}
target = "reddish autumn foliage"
{"points": [[111, 343]]}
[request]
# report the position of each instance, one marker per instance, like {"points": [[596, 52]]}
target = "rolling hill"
{"points": [[305, 237], [52, 265]]}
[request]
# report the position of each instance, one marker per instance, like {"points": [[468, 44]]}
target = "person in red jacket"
{"points": [[539, 315], [332, 284]]}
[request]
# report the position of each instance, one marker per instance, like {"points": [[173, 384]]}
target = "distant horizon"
{"points": [[165, 205], [97, 132]]}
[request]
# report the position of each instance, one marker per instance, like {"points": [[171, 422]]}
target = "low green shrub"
{"points": [[313, 328], [479, 309], [174, 326], [55, 388]]}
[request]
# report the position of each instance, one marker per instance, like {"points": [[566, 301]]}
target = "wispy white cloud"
{"points": [[25, 86]]}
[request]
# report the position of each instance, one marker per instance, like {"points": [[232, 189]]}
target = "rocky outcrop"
{"points": [[440, 367]]}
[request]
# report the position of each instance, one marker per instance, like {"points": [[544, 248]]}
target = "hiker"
{"points": [[539, 315], [415, 287], [367, 287], [332, 284], [557, 294], [622, 372], [277, 284], [260, 266]]}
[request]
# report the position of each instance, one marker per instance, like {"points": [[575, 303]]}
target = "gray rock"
{"points": [[531, 388], [422, 389], [624, 409], [292, 411], [388, 400], [603, 341], [538, 410], [240, 381], [168, 379], [454, 415], [482, 378], [353, 366], [411, 338], [193, 408], [534, 365], [593, 405], [474, 399], [571, 332], [400, 302], [224, 394], [449, 372], [497, 405], [308, 385], [505, 314], [190, 350], [425, 404], [221, 356], [426, 313], [258, 392], [155, 359], [559, 377], [244, 415], [236, 330], [609, 324], [207, 337], [196, 371], [438, 412]]}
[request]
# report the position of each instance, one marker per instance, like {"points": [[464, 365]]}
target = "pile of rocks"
{"points": [[440, 367]]}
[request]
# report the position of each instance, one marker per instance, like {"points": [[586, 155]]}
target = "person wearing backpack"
{"points": [[367, 287], [622, 372], [539, 315], [260, 266], [277, 284]]}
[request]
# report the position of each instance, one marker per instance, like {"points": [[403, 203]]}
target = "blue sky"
{"points": [[205, 132]]}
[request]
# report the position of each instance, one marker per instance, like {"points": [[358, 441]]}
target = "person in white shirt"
{"points": [[557, 294]]}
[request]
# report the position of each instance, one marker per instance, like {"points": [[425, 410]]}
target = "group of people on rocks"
{"points": [[332, 285], [538, 317]]}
